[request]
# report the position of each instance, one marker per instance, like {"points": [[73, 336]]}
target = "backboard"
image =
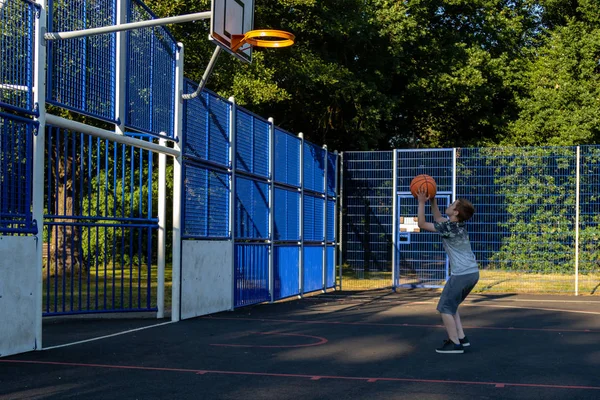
{"points": [[232, 17]]}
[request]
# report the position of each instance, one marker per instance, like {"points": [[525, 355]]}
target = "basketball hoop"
{"points": [[263, 38]]}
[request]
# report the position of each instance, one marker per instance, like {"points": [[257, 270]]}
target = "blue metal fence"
{"points": [[533, 230], [266, 180], [16, 161], [151, 62], [99, 222], [81, 72], [16, 45], [99, 226], [367, 225]]}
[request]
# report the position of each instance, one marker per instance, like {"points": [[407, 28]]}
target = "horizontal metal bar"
{"points": [[111, 310], [127, 27], [92, 218], [109, 135], [10, 86], [92, 225]]}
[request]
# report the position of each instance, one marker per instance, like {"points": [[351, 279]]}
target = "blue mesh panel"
{"points": [[17, 22], [206, 204], [525, 207], [436, 163], [331, 173], [252, 144], [314, 167], [287, 158], [286, 214], [286, 273], [252, 209], [82, 71], [368, 210], [313, 268], [313, 218], [589, 219], [16, 161], [251, 274], [206, 127], [330, 220], [151, 76]]}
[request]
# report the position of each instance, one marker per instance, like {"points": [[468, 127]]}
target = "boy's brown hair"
{"points": [[465, 209]]}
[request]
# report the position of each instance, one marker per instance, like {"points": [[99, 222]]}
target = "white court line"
{"points": [[107, 336], [533, 308]]}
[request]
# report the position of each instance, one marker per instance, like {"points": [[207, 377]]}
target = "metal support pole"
{"points": [[39, 140], [162, 214], [271, 209], [121, 70], [207, 72], [301, 217], [340, 219], [232, 195], [127, 26], [177, 191], [395, 220], [577, 184], [325, 165]]}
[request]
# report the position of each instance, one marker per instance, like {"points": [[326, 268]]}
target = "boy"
{"points": [[464, 269]]}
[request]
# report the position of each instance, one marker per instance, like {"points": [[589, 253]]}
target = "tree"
{"points": [[561, 106]]}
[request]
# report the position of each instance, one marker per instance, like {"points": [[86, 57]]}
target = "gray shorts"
{"points": [[456, 290]]}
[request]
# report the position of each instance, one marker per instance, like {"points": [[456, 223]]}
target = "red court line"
{"points": [[509, 328], [305, 376], [320, 341]]}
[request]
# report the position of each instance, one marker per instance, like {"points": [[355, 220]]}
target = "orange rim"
{"points": [[258, 38]]}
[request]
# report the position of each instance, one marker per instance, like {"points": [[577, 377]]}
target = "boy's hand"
{"points": [[422, 195]]}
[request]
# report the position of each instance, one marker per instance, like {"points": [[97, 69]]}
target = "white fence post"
{"points": [[340, 227], [301, 217], [271, 208], [326, 163], [578, 182], [177, 190], [394, 217], [232, 156], [39, 142]]}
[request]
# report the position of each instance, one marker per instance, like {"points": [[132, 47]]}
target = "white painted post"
{"points": [[271, 208], [162, 213], [326, 163], [336, 236], [232, 156], [39, 140], [395, 218], [340, 219], [121, 70], [577, 183], [177, 189], [454, 174], [301, 261]]}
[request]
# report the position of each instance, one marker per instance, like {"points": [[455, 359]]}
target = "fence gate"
{"points": [[99, 226], [420, 258]]}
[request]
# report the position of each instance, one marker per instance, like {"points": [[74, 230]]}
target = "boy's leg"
{"points": [[451, 328], [459, 329]]}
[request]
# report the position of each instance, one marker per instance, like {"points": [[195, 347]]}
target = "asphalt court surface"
{"points": [[340, 345]]}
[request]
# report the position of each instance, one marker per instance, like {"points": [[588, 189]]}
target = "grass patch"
{"points": [[490, 281], [105, 289]]}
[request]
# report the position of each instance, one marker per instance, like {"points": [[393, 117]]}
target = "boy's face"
{"points": [[451, 210]]}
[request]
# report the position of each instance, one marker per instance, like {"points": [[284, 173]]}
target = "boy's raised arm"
{"points": [[423, 224], [437, 215]]}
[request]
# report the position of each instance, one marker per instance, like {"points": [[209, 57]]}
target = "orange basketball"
{"points": [[423, 181]]}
